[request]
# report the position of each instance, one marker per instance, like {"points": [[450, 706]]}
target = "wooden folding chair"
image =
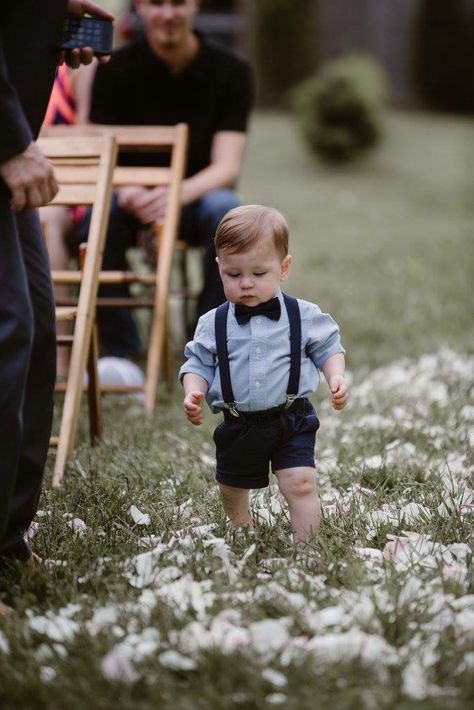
{"points": [[173, 140], [89, 182]]}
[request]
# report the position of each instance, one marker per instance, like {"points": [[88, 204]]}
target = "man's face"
{"points": [[167, 22]]}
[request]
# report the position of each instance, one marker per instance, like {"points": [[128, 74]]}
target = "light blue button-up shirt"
{"points": [[259, 356]]}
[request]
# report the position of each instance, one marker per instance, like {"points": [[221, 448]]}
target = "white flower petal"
{"points": [[138, 517]]}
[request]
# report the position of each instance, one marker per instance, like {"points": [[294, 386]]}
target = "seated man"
{"points": [[173, 75]]}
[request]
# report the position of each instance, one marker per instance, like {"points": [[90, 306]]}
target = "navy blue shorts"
{"points": [[248, 444]]}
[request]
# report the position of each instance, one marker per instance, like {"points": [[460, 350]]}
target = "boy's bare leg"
{"points": [[236, 504], [298, 486]]}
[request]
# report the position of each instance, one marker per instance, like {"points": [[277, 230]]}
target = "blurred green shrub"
{"points": [[443, 53], [340, 108]]}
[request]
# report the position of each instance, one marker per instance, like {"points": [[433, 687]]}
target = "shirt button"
{"points": [[257, 385], [258, 350], [259, 320]]}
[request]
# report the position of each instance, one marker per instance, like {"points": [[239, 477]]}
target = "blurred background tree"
{"points": [[339, 109], [284, 47], [443, 50]]}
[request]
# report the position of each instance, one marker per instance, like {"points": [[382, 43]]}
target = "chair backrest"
{"points": [[172, 139], [89, 182], [94, 159]]}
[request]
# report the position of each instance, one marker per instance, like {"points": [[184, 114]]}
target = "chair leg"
{"points": [[183, 267], [168, 359], [67, 428], [93, 391]]}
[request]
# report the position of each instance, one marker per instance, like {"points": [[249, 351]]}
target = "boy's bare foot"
{"points": [[5, 610]]}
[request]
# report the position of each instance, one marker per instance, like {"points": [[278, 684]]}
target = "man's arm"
{"points": [[27, 173], [226, 158]]}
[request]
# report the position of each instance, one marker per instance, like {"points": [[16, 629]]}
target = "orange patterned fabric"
{"points": [[61, 107]]}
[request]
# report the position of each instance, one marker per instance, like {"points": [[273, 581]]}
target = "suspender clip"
{"points": [[233, 409], [290, 398]]}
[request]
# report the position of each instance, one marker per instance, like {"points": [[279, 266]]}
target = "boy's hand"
{"points": [[339, 391], [192, 407]]}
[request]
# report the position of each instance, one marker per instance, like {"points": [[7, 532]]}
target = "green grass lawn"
{"points": [[181, 612]]}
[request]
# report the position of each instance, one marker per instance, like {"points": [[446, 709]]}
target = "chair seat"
{"points": [[64, 313]]}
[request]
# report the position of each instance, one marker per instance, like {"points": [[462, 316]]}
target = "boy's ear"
{"points": [[217, 259], [285, 267]]}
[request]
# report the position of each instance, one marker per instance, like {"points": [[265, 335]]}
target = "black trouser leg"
{"points": [[27, 372]]}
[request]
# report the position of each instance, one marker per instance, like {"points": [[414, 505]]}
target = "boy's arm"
{"points": [[195, 389], [333, 370]]}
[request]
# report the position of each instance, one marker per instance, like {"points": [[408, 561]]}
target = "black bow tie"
{"points": [[271, 309]]}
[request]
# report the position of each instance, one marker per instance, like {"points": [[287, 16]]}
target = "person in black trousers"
{"points": [[30, 37]]}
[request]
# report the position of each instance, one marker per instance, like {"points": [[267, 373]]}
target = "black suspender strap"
{"points": [[294, 317], [220, 325]]}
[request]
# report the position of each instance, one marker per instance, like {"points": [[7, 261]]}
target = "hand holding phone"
{"points": [[81, 31]]}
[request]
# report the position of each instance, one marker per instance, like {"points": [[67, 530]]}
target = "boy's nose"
{"points": [[246, 281]]}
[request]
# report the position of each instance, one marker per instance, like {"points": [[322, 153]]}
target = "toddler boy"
{"points": [[256, 358]]}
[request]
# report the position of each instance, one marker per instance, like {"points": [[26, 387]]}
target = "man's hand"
{"points": [[30, 178], [192, 406], [339, 391], [76, 57], [147, 205]]}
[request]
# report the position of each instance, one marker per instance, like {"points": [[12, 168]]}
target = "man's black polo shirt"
{"points": [[213, 93]]}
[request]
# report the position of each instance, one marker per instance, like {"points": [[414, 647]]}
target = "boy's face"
{"points": [[253, 276], [167, 22]]}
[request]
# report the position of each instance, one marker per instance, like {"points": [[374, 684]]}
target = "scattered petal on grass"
{"points": [[117, 667], [269, 635], [207, 460], [138, 517], [411, 512], [457, 572], [146, 567], [347, 646], [103, 617], [274, 677], [276, 699], [328, 617], [33, 529], [77, 525], [414, 682], [47, 674], [176, 661], [56, 628], [464, 624], [4, 645]]}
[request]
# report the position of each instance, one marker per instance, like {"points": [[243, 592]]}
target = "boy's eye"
{"points": [[260, 273], [233, 276]]}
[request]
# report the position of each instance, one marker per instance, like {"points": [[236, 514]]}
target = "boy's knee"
{"points": [[297, 484]]}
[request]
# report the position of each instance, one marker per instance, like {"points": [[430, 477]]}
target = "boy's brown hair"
{"points": [[242, 227]]}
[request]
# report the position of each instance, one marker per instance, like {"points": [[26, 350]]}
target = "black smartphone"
{"points": [[82, 31]]}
